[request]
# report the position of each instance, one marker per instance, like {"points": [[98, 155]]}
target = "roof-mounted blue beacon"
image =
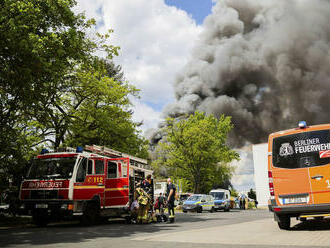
{"points": [[302, 124]]}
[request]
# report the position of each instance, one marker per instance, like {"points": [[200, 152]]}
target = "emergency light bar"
{"points": [[44, 151], [79, 149], [302, 124]]}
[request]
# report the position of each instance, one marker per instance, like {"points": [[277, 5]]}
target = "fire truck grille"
{"points": [[44, 194]]}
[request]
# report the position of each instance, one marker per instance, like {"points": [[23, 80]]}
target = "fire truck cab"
{"points": [[94, 184]]}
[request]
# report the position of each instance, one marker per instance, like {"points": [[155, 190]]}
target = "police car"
{"points": [[198, 203]]}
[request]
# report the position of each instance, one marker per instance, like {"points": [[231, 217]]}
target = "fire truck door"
{"points": [[90, 180], [116, 192]]}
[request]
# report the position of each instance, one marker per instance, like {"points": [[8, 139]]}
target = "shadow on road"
{"points": [[73, 232], [312, 225]]}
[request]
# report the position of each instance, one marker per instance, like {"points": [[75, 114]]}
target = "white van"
{"points": [[160, 187], [221, 199]]}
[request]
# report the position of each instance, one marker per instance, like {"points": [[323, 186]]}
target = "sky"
{"points": [[156, 39], [197, 9]]}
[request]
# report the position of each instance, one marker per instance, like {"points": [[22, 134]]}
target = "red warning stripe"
{"points": [[324, 154]]}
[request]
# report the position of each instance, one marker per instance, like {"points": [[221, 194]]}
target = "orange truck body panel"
{"points": [[312, 181]]}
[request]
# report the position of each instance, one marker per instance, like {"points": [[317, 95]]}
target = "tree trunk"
{"points": [[197, 184], [197, 188]]}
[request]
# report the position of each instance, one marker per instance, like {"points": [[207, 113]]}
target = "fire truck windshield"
{"points": [[51, 168]]}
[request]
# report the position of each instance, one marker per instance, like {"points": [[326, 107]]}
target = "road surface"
{"points": [[250, 228]]}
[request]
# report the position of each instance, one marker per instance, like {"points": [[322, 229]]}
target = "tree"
{"points": [[48, 76], [94, 109], [195, 149], [233, 192], [252, 194], [40, 42], [101, 114]]}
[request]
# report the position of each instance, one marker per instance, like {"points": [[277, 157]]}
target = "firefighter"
{"points": [[144, 204], [170, 199], [147, 184]]}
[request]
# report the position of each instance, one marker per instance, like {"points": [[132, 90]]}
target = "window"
{"points": [[301, 150], [52, 168], [90, 167], [81, 173], [195, 198], [99, 167], [217, 195], [124, 170], [112, 169]]}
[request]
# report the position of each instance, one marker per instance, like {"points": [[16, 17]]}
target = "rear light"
{"points": [[271, 183], [277, 209]]}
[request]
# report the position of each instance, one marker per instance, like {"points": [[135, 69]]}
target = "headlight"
{"points": [[67, 206]]}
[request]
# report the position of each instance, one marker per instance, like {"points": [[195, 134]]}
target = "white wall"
{"points": [[260, 162]]}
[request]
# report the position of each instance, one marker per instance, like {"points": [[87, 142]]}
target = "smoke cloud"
{"points": [[266, 63]]}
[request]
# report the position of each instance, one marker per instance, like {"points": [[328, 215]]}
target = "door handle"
{"points": [[317, 177], [100, 184]]}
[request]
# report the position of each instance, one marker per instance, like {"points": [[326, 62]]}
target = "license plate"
{"points": [[294, 200], [41, 205]]}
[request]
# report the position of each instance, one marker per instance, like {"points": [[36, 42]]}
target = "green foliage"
{"points": [[251, 205], [233, 192], [52, 87], [196, 150]]}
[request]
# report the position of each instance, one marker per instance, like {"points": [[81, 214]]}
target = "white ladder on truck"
{"points": [[135, 162]]}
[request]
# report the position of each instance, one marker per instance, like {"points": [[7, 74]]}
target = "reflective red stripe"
{"points": [[58, 155], [271, 184]]}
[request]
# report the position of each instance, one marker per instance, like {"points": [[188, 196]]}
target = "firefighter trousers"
{"points": [[143, 217]]}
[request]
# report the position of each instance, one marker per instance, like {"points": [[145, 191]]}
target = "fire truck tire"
{"points": [[40, 219], [91, 214]]}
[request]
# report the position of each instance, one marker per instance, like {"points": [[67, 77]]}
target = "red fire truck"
{"points": [[94, 184]]}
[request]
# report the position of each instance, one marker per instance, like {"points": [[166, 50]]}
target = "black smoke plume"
{"points": [[266, 63]]}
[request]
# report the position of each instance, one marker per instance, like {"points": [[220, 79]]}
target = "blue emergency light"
{"points": [[79, 149], [44, 151], [302, 124]]}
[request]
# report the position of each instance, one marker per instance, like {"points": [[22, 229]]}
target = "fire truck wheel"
{"points": [[91, 214], [40, 219]]}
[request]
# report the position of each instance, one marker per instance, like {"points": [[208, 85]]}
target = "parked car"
{"points": [[222, 199], [198, 203]]}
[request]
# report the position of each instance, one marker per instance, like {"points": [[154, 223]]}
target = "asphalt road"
{"points": [[251, 228]]}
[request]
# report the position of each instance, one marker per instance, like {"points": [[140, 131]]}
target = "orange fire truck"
{"points": [[91, 184]]}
